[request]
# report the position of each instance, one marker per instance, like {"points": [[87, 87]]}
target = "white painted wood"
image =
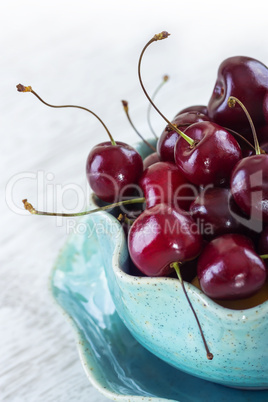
{"points": [[84, 53]]}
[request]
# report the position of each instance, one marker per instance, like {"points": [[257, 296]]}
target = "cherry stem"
{"points": [[22, 88], [33, 211], [176, 266], [164, 80], [264, 256], [231, 103], [162, 35], [125, 106]]}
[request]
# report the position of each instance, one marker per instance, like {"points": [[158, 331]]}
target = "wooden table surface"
{"points": [[85, 53]]}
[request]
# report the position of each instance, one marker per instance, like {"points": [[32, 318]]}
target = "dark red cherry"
{"points": [[246, 79], [265, 107], [249, 186], [247, 152], [262, 133], [113, 170], [229, 268], [150, 160], [164, 183], [215, 212], [160, 236], [196, 108], [212, 158], [169, 137]]}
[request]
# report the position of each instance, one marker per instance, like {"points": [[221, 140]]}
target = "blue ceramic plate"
{"points": [[116, 364]]}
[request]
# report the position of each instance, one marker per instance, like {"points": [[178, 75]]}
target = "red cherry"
{"points": [[164, 183], [215, 212], [265, 107], [229, 268], [169, 137], [212, 158], [246, 79], [160, 236], [249, 186], [262, 133], [113, 170]]}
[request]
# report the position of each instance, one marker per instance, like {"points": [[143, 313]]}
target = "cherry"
{"points": [[212, 157], [265, 107], [246, 79], [241, 304], [196, 108], [160, 236], [215, 212], [113, 170], [169, 137], [262, 133], [163, 182], [229, 268]]}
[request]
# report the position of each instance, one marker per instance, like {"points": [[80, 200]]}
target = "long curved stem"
{"points": [[231, 103], [125, 107], [164, 80], [34, 211], [176, 266], [162, 35], [22, 88]]}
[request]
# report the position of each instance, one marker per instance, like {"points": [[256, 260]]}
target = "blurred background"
{"points": [[85, 53]]}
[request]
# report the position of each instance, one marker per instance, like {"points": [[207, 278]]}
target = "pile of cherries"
{"points": [[204, 192]]}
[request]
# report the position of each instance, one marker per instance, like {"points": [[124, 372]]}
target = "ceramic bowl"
{"points": [[158, 315]]}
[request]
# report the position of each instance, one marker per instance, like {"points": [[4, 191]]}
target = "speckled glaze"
{"points": [[116, 364]]}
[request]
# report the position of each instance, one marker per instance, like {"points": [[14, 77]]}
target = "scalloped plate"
{"points": [[115, 363]]}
